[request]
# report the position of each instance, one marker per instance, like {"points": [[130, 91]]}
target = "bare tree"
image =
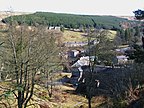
{"points": [[27, 51]]}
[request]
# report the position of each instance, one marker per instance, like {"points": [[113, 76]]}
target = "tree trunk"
{"points": [[1, 70], [19, 103], [89, 102], [0, 76]]}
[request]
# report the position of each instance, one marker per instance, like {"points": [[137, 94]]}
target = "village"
{"points": [[77, 57]]}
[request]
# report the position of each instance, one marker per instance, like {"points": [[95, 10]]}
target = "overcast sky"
{"points": [[94, 7]]}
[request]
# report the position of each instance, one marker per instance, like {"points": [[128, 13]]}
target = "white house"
{"points": [[83, 61], [51, 28], [57, 28], [122, 59], [122, 50], [73, 53], [54, 28], [75, 44]]}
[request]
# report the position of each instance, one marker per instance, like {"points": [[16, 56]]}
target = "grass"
{"points": [[64, 96], [112, 34], [71, 36]]}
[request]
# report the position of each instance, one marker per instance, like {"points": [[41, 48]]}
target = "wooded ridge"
{"points": [[69, 20]]}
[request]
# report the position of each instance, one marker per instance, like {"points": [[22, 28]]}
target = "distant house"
{"points": [[54, 28], [94, 42], [122, 59], [73, 53], [77, 30], [75, 44], [51, 27], [83, 61], [123, 50], [57, 28]]}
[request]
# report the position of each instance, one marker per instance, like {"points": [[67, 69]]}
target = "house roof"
{"points": [[83, 61], [121, 57]]}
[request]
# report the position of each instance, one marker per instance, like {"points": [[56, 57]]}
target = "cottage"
{"points": [[75, 44], [83, 61], [73, 53], [122, 59], [57, 28], [123, 50], [51, 28]]}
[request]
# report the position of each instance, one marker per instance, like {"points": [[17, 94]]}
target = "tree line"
{"points": [[69, 20]]}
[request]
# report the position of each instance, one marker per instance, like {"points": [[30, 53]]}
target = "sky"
{"points": [[88, 7]]}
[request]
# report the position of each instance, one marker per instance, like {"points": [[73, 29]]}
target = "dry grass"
{"points": [[71, 36], [64, 96], [112, 34]]}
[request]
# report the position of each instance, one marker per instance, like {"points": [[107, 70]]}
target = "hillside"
{"points": [[7, 14], [70, 20], [127, 17], [64, 96]]}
